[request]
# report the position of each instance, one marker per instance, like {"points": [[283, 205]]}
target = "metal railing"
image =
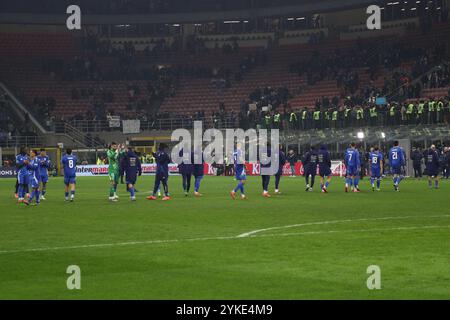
{"points": [[77, 135], [18, 141], [88, 126]]}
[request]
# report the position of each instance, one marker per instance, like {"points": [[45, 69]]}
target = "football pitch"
{"points": [[297, 245]]}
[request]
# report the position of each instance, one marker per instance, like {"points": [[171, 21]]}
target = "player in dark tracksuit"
{"points": [[162, 160], [447, 163], [185, 168], [310, 167], [265, 173], [324, 161], [130, 166], [197, 170], [416, 157], [432, 164], [281, 162]]}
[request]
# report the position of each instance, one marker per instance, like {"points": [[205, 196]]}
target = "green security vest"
{"points": [[420, 108], [334, 115], [431, 105], [373, 112], [304, 113], [440, 106], [293, 117], [347, 110], [392, 111], [267, 118], [316, 115], [276, 118], [410, 109], [359, 114], [327, 115]]}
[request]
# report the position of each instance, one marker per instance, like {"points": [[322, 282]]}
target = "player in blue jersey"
{"points": [[23, 177], [239, 170], [185, 169], [197, 170], [281, 162], [35, 178], [396, 161], [69, 164], [432, 166], [352, 163], [324, 161], [310, 167], [162, 160], [44, 166], [376, 167], [130, 166]]}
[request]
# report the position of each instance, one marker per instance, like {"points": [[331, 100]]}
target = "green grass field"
{"points": [[188, 248]]}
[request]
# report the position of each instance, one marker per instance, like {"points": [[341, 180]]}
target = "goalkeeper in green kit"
{"points": [[114, 153]]}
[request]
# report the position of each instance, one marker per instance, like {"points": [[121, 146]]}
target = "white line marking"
{"points": [[118, 244], [250, 233]]}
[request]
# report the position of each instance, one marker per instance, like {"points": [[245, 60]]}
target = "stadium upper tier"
{"points": [[96, 78]]}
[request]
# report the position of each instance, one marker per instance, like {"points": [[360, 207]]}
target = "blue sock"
{"points": [[238, 187], [37, 196], [131, 191], [197, 183], [372, 181], [72, 193], [356, 182], [20, 191], [327, 184], [378, 183], [32, 195], [429, 183], [241, 187], [436, 183], [67, 194]]}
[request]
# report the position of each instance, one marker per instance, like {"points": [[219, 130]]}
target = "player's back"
{"points": [[352, 158], [432, 159], [323, 158], [375, 159], [396, 156], [69, 163]]}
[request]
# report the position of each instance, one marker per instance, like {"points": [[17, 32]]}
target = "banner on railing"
{"points": [[131, 126], [252, 169]]}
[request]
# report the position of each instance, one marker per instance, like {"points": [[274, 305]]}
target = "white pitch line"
{"points": [[118, 244], [345, 231], [250, 233]]}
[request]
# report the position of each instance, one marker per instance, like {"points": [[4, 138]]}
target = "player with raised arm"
{"points": [[69, 164], [162, 160], [239, 170], [396, 161], [352, 163], [376, 167], [432, 165], [131, 168], [23, 177], [113, 154], [324, 161], [35, 178], [44, 166]]}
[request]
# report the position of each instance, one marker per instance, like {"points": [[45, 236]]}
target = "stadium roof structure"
{"points": [[57, 14]]}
